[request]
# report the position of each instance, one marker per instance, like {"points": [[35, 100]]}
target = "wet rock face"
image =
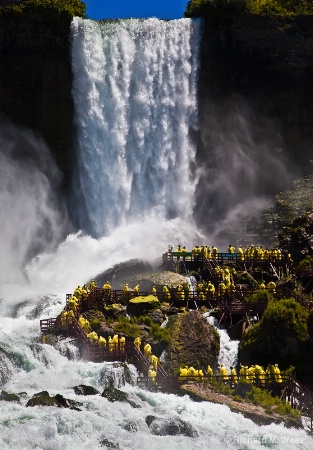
{"points": [[83, 389], [36, 79], [115, 395], [194, 342], [267, 61]]}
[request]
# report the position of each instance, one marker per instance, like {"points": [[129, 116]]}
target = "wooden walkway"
{"points": [[188, 261]]}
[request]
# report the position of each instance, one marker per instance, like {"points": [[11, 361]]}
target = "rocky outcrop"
{"points": [[194, 342]]}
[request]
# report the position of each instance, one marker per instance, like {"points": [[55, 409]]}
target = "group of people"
{"points": [[254, 374], [247, 253]]}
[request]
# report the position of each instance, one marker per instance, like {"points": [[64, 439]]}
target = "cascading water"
{"points": [[146, 160], [135, 99], [228, 347]]}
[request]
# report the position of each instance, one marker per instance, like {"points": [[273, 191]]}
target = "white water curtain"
{"points": [[135, 100]]}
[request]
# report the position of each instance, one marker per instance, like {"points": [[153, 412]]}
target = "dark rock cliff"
{"points": [[268, 62], [36, 78]]}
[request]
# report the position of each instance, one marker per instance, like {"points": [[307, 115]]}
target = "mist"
{"points": [[241, 165], [32, 214]]}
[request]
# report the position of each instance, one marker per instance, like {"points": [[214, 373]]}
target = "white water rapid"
{"points": [[135, 99]]}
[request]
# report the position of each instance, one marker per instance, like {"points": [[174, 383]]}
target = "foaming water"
{"points": [[135, 101]]}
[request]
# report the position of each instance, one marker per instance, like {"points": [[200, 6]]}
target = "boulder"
{"points": [[108, 444], [141, 305], [115, 395], [83, 389], [173, 426]]}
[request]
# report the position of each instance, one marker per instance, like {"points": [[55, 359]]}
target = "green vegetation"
{"points": [[244, 390], [284, 8], [125, 326], [263, 295], [287, 315], [271, 404], [71, 7], [281, 336], [279, 7], [291, 204], [131, 328], [306, 262], [208, 8]]}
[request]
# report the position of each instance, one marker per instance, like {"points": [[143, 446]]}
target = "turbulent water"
{"points": [[135, 99]]}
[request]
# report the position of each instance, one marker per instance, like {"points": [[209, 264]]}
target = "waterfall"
{"points": [[228, 347], [134, 91]]}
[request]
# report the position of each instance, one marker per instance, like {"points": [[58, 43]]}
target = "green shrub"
{"points": [[284, 8], [279, 7], [263, 295], [207, 8], [286, 316], [95, 324], [159, 334], [125, 326], [72, 7], [306, 262]]}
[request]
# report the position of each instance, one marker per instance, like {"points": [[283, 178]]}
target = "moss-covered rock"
{"points": [[141, 305], [194, 342]]}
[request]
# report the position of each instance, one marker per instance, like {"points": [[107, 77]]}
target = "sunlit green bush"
{"points": [[285, 8], [72, 7]]}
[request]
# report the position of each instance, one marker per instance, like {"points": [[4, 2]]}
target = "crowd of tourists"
{"points": [[253, 374], [249, 252]]}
